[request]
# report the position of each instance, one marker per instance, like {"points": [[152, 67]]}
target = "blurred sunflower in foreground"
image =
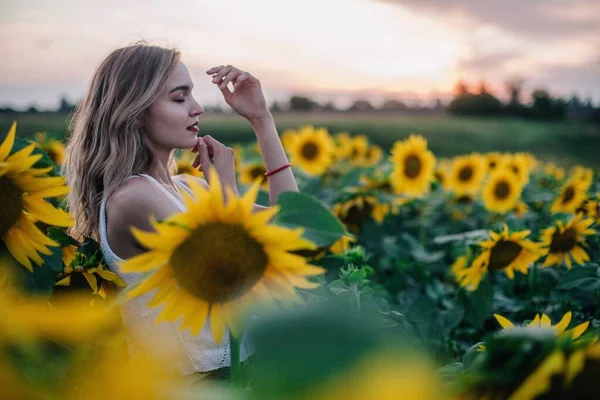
{"points": [[24, 190], [504, 251], [196, 274], [413, 166], [312, 150]]}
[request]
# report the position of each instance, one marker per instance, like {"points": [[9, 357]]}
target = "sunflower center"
{"points": [[412, 166], [515, 169], [563, 242], [503, 254], [492, 164], [11, 206], [465, 174], [502, 190], [568, 195], [257, 172], [358, 213], [310, 150], [219, 262]]}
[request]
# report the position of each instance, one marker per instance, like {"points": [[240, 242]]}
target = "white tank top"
{"points": [[184, 351]]}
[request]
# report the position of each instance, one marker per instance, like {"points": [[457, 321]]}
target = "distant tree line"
{"points": [[467, 101], [479, 101]]}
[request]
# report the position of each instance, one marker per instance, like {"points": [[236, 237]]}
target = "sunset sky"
{"points": [[332, 50]]}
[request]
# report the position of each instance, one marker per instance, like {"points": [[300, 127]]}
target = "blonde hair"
{"points": [[106, 144]]}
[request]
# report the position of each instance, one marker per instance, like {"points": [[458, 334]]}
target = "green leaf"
{"points": [[60, 237], [300, 210], [584, 278], [479, 304]]}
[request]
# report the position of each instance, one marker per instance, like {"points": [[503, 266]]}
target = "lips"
{"points": [[193, 127]]}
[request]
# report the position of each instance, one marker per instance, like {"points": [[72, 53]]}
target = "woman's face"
{"points": [[173, 112]]}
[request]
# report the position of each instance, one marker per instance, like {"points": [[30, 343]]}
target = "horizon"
{"points": [[546, 44]]}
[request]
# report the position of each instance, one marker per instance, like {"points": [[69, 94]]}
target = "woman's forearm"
{"points": [[274, 157]]}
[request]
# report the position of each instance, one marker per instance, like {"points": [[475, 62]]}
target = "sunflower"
{"points": [[565, 241], [493, 160], [571, 196], [54, 148], [287, 138], [502, 251], [590, 208], [383, 374], [563, 376], [413, 166], [343, 146], [520, 208], [184, 164], [545, 322], [215, 260], [96, 277], [379, 182], [344, 243], [373, 156], [355, 211], [359, 146], [583, 175], [501, 191], [441, 171], [249, 173], [312, 150], [554, 171], [466, 174], [24, 189]]}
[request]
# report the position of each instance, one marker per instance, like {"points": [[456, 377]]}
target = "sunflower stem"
{"points": [[234, 351]]}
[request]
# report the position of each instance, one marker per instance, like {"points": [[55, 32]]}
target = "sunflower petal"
{"points": [[7, 145], [504, 322]]}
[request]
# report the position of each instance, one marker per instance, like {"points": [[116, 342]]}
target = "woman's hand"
{"points": [[247, 98], [214, 154]]}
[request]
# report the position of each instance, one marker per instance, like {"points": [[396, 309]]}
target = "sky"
{"points": [[331, 50]]}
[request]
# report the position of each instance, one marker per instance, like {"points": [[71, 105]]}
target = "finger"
{"points": [[204, 157], [214, 69], [230, 77], [195, 148], [197, 161], [214, 146], [242, 78], [224, 71]]}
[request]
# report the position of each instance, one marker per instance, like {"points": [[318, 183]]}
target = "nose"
{"points": [[197, 109]]}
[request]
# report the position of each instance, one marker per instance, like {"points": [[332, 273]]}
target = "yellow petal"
{"points": [[91, 279], [8, 142], [545, 321], [504, 322], [578, 330], [64, 282], [217, 322], [564, 322]]}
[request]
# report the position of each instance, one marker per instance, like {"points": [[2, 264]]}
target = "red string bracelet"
{"points": [[269, 173]]}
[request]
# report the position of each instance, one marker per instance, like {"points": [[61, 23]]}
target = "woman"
{"points": [[138, 109]]}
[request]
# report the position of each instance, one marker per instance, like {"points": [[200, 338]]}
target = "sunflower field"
{"points": [[392, 274]]}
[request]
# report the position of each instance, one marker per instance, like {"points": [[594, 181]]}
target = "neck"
{"points": [[160, 168]]}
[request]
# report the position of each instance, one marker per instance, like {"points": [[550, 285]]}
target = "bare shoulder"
{"points": [[131, 204]]}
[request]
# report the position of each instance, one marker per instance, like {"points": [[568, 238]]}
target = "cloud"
{"points": [[536, 20]]}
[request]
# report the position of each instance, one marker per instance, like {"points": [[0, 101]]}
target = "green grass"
{"points": [[566, 143]]}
